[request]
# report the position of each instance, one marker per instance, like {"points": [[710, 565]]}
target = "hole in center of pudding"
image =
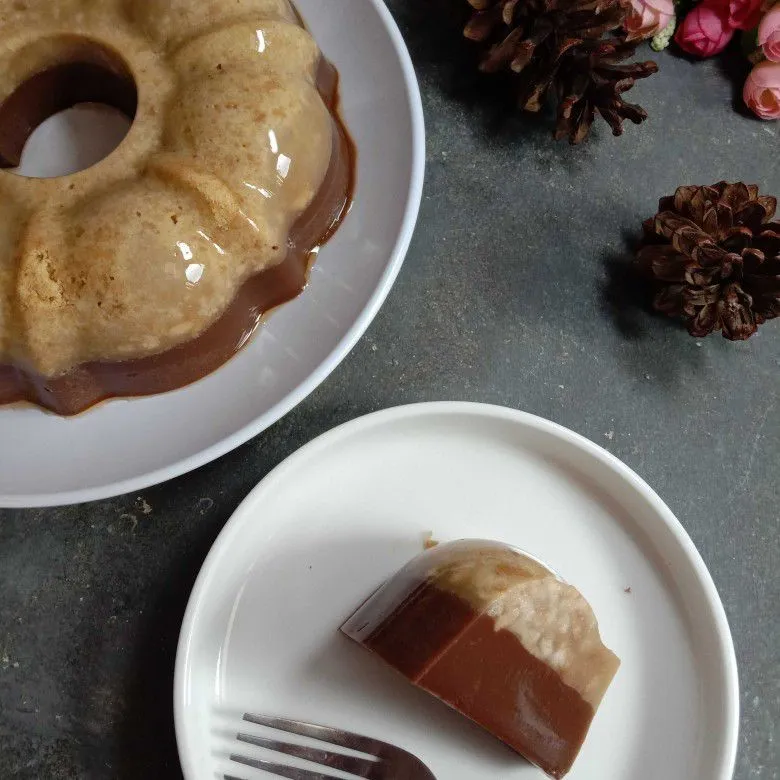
{"points": [[68, 115]]}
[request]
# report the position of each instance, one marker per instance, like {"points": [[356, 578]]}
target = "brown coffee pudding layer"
{"points": [[151, 269], [498, 638]]}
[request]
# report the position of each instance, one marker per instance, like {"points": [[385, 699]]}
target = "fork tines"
{"points": [[359, 767]]}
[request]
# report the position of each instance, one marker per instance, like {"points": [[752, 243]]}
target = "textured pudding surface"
{"points": [[151, 268], [500, 638]]}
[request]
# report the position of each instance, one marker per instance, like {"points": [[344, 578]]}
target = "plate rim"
{"points": [[327, 366], [725, 643]]}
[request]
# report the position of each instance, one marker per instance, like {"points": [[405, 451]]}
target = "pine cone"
{"points": [[558, 46], [715, 255]]}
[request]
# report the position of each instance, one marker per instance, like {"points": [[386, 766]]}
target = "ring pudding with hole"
{"points": [[152, 267]]}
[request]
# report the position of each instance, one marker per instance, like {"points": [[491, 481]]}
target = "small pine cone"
{"points": [[572, 50], [714, 254]]}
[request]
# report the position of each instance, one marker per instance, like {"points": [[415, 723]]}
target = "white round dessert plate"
{"points": [[344, 513], [126, 445]]}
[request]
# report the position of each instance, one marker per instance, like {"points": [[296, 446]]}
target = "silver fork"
{"points": [[384, 761]]}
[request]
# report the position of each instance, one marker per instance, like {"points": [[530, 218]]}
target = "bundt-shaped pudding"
{"points": [[150, 269]]}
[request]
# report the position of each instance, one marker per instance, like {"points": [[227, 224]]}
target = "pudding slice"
{"points": [[497, 636]]}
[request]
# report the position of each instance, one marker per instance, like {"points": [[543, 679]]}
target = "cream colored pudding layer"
{"points": [[550, 618], [230, 145]]}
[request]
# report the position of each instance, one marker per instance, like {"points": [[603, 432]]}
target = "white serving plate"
{"points": [[338, 517], [126, 445]]}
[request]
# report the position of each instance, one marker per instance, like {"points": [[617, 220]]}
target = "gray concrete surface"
{"points": [[513, 293]]}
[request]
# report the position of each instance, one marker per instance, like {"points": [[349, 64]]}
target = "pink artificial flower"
{"points": [[769, 34], [647, 17], [705, 31], [741, 14], [762, 90]]}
